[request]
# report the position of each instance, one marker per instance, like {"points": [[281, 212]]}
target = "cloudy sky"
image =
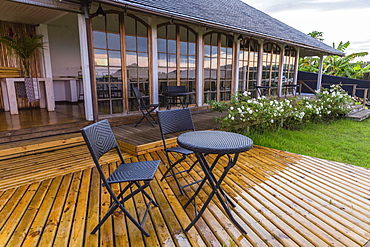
{"points": [[339, 20]]}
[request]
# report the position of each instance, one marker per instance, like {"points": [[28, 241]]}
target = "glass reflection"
{"points": [[114, 41], [99, 39]]}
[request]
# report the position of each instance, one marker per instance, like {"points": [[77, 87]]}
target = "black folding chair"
{"points": [[145, 109], [175, 121], [100, 139]]}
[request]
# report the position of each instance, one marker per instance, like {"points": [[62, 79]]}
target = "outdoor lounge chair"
{"points": [[100, 139], [175, 121], [145, 109]]}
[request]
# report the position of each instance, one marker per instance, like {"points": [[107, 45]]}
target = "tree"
{"points": [[346, 66]]}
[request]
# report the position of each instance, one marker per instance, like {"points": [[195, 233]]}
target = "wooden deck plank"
{"points": [[39, 222], [20, 232], [13, 220], [52, 223]]}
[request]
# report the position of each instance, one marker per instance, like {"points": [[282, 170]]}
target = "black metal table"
{"points": [[294, 87], [262, 89], [176, 98], [220, 143]]}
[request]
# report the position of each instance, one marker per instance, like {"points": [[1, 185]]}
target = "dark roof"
{"points": [[233, 15]]}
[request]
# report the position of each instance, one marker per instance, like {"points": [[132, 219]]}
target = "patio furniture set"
{"points": [[100, 140]]}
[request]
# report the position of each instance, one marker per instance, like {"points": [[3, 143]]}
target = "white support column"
{"points": [[260, 65], [85, 67], [200, 75], [296, 65], [281, 70], [319, 74], [236, 71], [155, 84], [46, 70]]}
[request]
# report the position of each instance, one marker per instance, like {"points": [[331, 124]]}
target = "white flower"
{"points": [[232, 118], [272, 121], [231, 108]]}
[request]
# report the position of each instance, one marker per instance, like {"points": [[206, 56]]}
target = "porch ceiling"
{"points": [[29, 14]]}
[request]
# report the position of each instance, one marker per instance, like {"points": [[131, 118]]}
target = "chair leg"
{"points": [[119, 204], [173, 173], [145, 114]]}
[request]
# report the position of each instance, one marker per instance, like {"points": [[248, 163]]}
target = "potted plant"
{"points": [[24, 46]]}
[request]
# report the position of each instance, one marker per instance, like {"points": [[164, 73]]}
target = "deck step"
{"points": [[26, 147], [359, 115]]}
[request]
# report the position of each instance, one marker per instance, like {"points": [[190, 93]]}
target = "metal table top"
{"points": [[215, 142]]}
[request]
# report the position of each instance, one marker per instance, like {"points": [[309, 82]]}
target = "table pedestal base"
{"points": [[216, 189]]}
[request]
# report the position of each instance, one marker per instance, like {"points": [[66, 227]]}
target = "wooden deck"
{"points": [[52, 196]]}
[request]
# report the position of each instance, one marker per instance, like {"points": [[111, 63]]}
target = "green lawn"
{"points": [[345, 141]]}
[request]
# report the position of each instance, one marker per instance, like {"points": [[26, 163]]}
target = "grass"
{"points": [[344, 141]]}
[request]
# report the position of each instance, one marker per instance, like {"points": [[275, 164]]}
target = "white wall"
{"points": [[65, 54]]}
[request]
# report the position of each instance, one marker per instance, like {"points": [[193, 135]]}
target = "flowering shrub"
{"points": [[246, 114]]}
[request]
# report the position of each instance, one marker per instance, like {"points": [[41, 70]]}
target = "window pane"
{"points": [[141, 29], [100, 72], [191, 37], [171, 31], [223, 52], [162, 45], [172, 60], [172, 46], [131, 59], [143, 60], [192, 49], [114, 41], [112, 23], [130, 27], [101, 58], [114, 58], [183, 34], [142, 44], [131, 43], [98, 24], [162, 60], [183, 61], [214, 51], [99, 39], [207, 50], [117, 106], [192, 60], [161, 32], [183, 48]]}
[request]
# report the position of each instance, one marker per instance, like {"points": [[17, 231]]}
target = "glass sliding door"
{"points": [[177, 58], [108, 63], [218, 66], [137, 59], [248, 65], [270, 69]]}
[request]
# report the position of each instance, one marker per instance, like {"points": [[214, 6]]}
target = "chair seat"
{"points": [[143, 170], [180, 150], [150, 106]]}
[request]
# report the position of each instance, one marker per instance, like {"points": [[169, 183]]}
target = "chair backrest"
{"points": [[138, 96], [100, 139], [177, 89], [172, 121]]}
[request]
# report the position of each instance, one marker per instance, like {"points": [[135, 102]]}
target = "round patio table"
{"points": [[220, 143]]}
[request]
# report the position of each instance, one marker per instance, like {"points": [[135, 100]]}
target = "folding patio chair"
{"points": [[176, 121], [100, 139], [145, 109]]}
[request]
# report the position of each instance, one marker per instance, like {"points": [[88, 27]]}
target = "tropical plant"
{"points": [[346, 66], [24, 46]]}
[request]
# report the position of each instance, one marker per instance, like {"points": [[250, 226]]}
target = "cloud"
{"points": [[319, 5]]}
